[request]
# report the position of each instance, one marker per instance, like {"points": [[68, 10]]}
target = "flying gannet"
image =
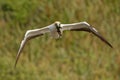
{"points": [[56, 29]]}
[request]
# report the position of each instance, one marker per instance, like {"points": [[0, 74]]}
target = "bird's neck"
{"points": [[58, 30]]}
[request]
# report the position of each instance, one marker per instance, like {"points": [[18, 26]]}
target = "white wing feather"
{"points": [[84, 26], [29, 35]]}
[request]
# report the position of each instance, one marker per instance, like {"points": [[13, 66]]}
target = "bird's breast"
{"points": [[53, 31], [55, 35]]}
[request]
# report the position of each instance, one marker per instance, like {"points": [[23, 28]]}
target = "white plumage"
{"points": [[56, 29]]}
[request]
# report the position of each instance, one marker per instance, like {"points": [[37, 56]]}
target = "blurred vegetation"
{"points": [[77, 56]]}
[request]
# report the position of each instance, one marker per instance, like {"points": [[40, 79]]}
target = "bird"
{"points": [[56, 30]]}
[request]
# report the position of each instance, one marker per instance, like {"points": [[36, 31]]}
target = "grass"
{"points": [[81, 56]]}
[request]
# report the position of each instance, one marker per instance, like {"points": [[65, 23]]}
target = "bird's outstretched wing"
{"points": [[84, 26], [29, 35]]}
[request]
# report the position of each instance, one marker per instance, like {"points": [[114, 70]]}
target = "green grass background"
{"points": [[76, 56]]}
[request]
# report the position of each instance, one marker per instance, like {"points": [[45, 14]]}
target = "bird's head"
{"points": [[57, 23]]}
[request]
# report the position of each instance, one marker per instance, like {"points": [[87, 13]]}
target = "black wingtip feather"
{"points": [[101, 37]]}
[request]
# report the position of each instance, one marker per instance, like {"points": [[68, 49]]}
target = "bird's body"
{"points": [[56, 30]]}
